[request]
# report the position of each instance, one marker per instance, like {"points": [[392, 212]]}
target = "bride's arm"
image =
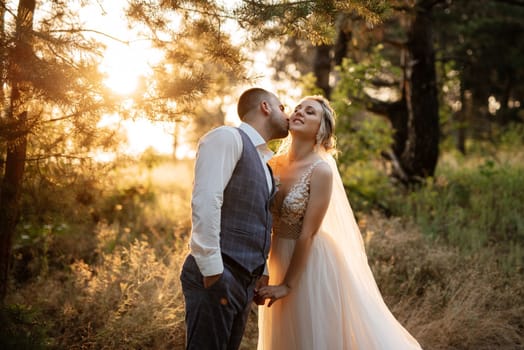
{"points": [[320, 194]]}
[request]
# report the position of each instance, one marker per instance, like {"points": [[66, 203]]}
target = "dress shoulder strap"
{"points": [[309, 171]]}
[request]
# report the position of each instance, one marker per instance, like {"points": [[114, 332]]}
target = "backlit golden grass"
{"points": [[444, 298], [129, 299], [127, 294]]}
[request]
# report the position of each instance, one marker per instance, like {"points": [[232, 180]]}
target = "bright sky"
{"points": [[124, 63]]}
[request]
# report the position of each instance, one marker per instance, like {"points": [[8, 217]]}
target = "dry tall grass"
{"points": [[445, 299], [127, 296], [130, 299]]}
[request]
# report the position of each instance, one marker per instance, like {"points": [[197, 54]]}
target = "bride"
{"points": [[322, 294]]}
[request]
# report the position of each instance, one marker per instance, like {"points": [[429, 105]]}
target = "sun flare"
{"points": [[126, 59], [125, 64], [129, 56], [118, 71]]}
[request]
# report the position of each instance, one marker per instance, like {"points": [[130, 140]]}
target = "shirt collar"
{"points": [[258, 141], [253, 134]]}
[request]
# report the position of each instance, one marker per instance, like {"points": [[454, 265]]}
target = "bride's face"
{"points": [[305, 119]]}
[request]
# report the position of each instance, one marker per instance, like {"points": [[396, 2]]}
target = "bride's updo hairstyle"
{"points": [[326, 132]]}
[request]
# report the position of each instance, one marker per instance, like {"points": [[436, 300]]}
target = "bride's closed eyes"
{"points": [[308, 109]]}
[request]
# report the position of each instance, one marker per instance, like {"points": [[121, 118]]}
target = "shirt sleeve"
{"points": [[217, 156]]}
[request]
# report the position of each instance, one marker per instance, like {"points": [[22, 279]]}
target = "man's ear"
{"points": [[265, 107]]}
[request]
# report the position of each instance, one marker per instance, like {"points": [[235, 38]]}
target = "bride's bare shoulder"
{"points": [[321, 181], [321, 171]]}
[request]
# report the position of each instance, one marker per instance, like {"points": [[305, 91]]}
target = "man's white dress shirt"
{"points": [[218, 153]]}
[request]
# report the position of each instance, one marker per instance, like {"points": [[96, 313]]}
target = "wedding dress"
{"points": [[336, 304]]}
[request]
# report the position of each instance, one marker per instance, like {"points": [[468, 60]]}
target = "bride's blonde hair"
{"points": [[326, 132], [325, 138]]}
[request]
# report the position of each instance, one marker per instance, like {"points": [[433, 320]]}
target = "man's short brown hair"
{"points": [[250, 99]]}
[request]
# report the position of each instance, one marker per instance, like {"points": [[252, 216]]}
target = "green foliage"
{"points": [[367, 186], [123, 208], [364, 172], [20, 328], [473, 208], [59, 77], [200, 60], [137, 202], [451, 117], [59, 208], [111, 279], [311, 20], [308, 84], [487, 54], [355, 78], [371, 137], [361, 137], [510, 137], [350, 95]]}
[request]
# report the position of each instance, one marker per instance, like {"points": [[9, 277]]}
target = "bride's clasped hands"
{"points": [[273, 293]]}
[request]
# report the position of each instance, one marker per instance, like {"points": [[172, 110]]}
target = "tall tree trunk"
{"points": [[420, 155], [3, 57], [3, 69], [11, 186], [341, 45], [322, 68]]}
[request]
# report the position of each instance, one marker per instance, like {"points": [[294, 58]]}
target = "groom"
{"points": [[231, 222]]}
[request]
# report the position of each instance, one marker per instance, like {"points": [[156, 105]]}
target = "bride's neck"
{"points": [[299, 151]]}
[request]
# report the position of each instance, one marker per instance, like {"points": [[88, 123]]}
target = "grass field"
{"points": [[105, 276]]}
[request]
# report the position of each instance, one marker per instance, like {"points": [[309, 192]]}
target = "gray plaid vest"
{"points": [[245, 225]]}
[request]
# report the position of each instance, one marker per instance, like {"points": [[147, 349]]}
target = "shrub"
{"points": [[472, 208], [130, 299], [20, 329]]}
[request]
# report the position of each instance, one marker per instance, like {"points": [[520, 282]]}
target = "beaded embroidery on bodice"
{"points": [[289, 216]]}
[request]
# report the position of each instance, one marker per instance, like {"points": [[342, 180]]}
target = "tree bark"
{"points": [[322, 68], [415, 117], [397, 114], [420, 155], [341, 45], [11, 186]]}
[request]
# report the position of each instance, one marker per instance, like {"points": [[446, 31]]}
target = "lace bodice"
{"points": [[288, 213]]}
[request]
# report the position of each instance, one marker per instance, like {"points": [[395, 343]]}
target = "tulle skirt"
{"points": [[328, 309]]}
